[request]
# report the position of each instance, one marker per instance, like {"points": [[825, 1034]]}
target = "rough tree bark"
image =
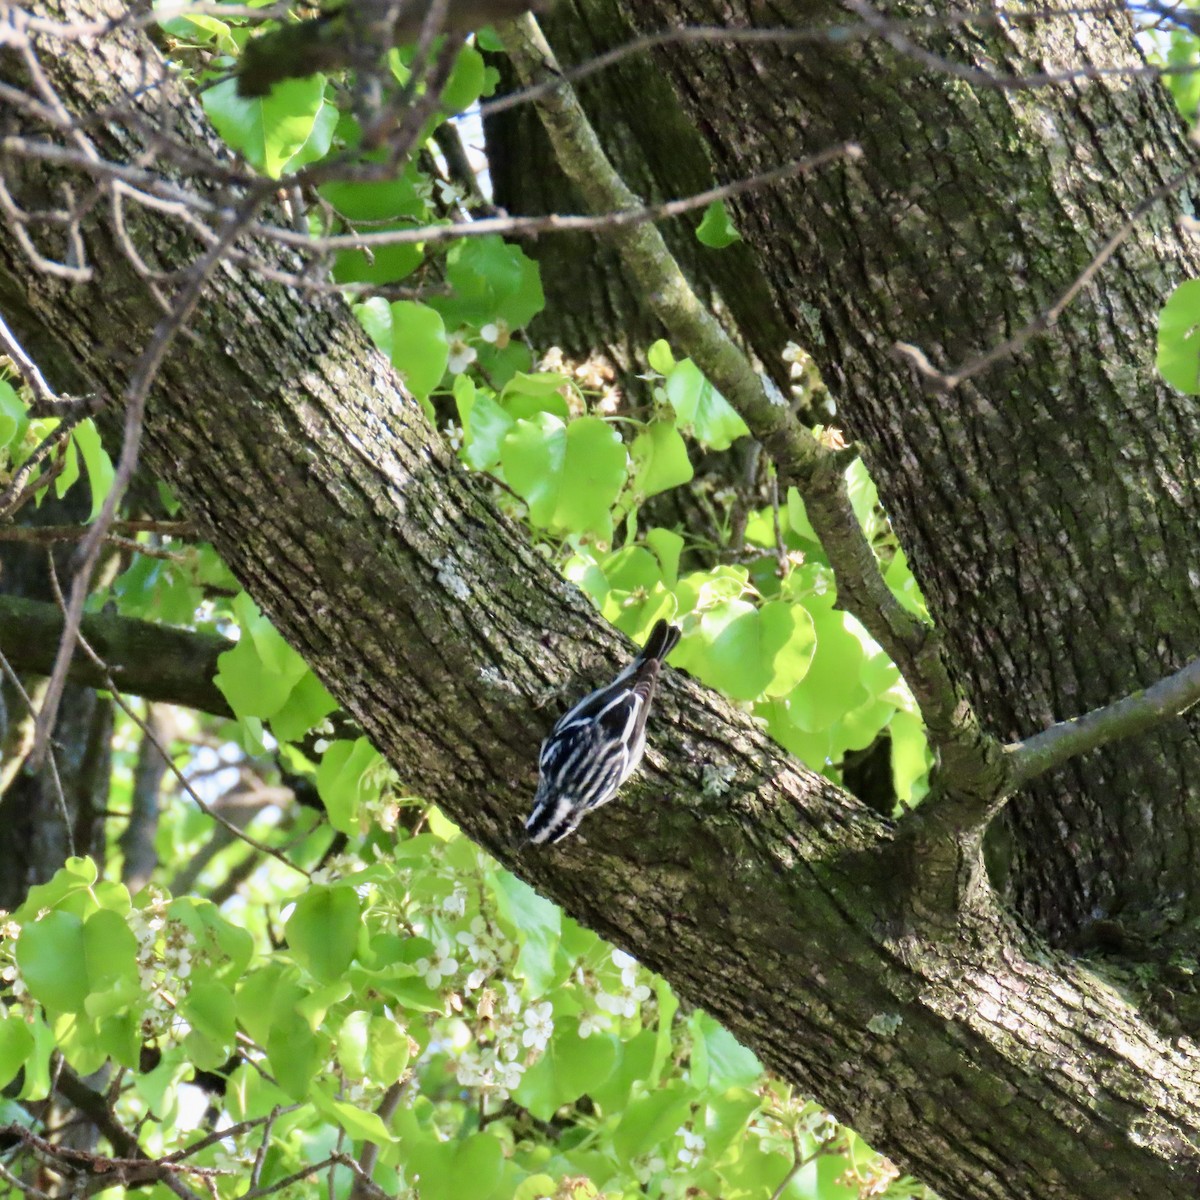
{"points": [[988, 1063], [1048, 504]]}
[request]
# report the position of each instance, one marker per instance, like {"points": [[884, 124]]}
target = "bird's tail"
{"points": [[662, 640]]}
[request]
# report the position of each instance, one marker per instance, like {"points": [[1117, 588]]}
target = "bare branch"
{"points": [[135, 404], [46, 403], [1048, 317], [168, 758], [1134, 714], [60, 798]]}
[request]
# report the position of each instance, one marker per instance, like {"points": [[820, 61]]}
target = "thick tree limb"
{"points": [[153, 661]]}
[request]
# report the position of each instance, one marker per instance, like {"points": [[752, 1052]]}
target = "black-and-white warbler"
{"points": [[596, 746]]}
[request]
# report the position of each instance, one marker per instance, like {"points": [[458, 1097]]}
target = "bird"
{"points": [[596, 746]]}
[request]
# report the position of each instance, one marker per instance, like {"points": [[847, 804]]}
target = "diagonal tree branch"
{"points": [[156, 662], [1124, 718], [971, 762]]}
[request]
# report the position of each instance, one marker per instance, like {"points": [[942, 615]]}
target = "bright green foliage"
{"points": [[277, 133], [263, 678], [715, 228], [413, 336], [702, 410], [20, 436], [1179, 338]]}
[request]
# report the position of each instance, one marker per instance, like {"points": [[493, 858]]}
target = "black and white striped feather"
{"points": [[597, 745]]}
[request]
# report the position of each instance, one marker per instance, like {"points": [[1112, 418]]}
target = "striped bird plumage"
{"points": [[597, 745]]}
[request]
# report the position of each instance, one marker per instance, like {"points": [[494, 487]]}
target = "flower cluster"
{"points": [[626, 1002]]}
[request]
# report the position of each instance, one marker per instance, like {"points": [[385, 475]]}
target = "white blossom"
{"points": [[539, 1025], [593, 1023], [441, 966], [496, 333], [693, 1146], [462, 355]]}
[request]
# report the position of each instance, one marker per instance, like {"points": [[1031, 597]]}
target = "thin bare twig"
{"points": [[1048, 317], [46, 402], [52, 762], [47, 535], [370, 1151], [149, 733], [231, 1131], [135, 405]]}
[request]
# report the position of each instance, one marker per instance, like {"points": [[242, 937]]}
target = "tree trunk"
{"points": [[1048, 503], [988, 1064]]}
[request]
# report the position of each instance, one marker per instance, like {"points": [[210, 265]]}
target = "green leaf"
{"points": [[1179, 338], [754, 652], [466, 82], [832, 686], [268, 130], [635, 1065], [70, 472], [536, 923], [594, 473], [375, 316], [361, 1124], [323, 929], [16, 1042], [37, 1065], [525, 394], [730, 1064], [389, 1049], [13, 418], [340, 781], [384, 205], [352, 1043], [51, 955], [297, 1055], [209, 1009], [668, 546], [110, 951], [864, 498], [715, 228], [491, 280], [727, 1118], [420, 351], [648, 1121], [911, 759], [214, 933], [660, 358], [202, 29], [661, 459], [307, 704], [569, 476], [259, 673], [797, 517], [485, 424], [320, 138], [532, 456], [570, 1067], [701, 408], [76, 875]]}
